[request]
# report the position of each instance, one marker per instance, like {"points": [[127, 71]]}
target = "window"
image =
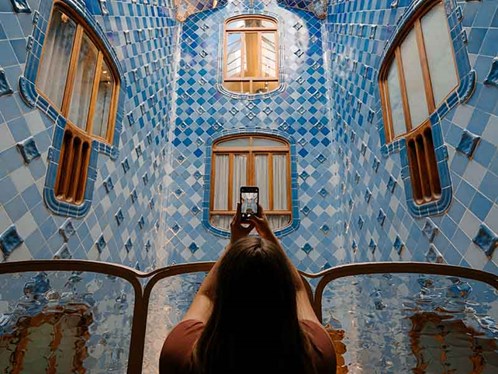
{"points": [[77, 78], [250, 63], [253, 160], [418, 76]]}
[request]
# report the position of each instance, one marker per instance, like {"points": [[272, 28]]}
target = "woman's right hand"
{"points": [[263, 226]]}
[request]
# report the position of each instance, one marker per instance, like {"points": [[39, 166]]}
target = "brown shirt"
{"points": [[177, 349]]}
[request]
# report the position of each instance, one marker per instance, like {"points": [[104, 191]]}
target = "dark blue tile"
{"points": [[19, 46], [468, 143], [486, 240], [21, 6], [480, 206], [476, 38], [10, 240], [5, 88]]}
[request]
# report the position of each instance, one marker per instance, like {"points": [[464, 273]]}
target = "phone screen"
{"points": [[249, 199]]}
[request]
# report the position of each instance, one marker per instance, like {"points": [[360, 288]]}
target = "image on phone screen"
{"points": [[249, 203]]}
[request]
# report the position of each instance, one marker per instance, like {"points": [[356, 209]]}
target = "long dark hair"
{"points": [[254, 327]]}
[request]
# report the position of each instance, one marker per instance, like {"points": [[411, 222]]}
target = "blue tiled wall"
{"points": [[122, 224], [299, 110], [380, 226]]}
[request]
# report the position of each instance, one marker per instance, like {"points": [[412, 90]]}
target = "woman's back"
{"points": [[252, 314], [176, 355]]}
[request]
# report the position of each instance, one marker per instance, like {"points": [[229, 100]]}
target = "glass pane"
{"points": [[268, 54], [221, 182], [439, 53], [251, 22], [262, 179], [169, 300], [237, 142], [413, 323], [267, 142], [65, 322], [251, 55], [103, 103], [395, 102], [415, 88], [239, 177], [280, 182], [83, 83], [54, 65], [234, 55]]}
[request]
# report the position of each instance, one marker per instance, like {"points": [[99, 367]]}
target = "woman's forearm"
{"points": [[208, 285]]}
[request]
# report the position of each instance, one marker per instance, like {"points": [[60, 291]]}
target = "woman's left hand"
{"points": [[237, 231]]}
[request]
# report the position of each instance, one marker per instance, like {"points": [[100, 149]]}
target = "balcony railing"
{"points": [[85, 316]]}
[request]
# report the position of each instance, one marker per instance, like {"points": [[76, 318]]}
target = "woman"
{"points": [[252, 314]]}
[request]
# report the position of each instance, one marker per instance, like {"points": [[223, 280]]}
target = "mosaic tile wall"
{"points": [[122, 224], [299, 111], [379, 226]]}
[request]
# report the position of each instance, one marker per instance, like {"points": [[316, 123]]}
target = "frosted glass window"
{"points": [[221, 183], [83, 83], [103, 102], [237, 142], [239, 177], [414, 80], [251, 22], [54, 65], [396, 103], [261, 168], [267, 142], [279, 186], [439, 53]]}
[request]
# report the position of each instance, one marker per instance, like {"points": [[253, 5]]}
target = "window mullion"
{"points": [[260, 57], [66, 101], [425, 67], [95, 91], [288, 181], [243, 55], [404, 94], [230, 181], [270, 181], [250, 177]]}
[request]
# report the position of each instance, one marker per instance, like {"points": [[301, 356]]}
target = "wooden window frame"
{"points": [[395, 55], [251, 151], [74, 162], [259, 31], [422, 160], [103, 55]]}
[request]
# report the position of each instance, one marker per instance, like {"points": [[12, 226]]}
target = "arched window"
{"points": [[250, 59], [414, 81], [253, 160], [76, 76]]}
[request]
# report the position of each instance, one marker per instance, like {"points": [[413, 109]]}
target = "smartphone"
{"points": [[249, 200]]}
